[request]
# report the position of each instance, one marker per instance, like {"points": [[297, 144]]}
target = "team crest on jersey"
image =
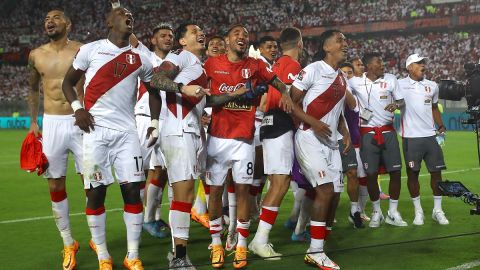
{"points": [[428, 89], [411, 164], [131, 59], [383, 85], [322, 174], [300, 75], [365, 165], [246, 73]]}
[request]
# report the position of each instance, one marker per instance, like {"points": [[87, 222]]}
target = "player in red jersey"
{"points": [[181, 139], [230, 144], [276, 133]]}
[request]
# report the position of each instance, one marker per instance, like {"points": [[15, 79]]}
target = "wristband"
{"points": [[76, 105], [116, 5], [154, 123]]}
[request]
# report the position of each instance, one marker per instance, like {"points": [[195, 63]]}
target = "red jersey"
{"points": [[234, 120], [286, 68]]}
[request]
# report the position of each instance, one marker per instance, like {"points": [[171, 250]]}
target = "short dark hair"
{"points": [[356, 58], [346, 64], [321, 54], [182, 30], [215, 37], [368, 57], [265, 39], [234, 26], [162, 26], [65, 14], [289, 37]]}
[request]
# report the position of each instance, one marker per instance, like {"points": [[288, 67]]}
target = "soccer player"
{"points": [[419, 117], [112, 67], [378, 96], [215, 46], [358, 66], [48, 65], [276, 134], [181, 139], [350, 160], [268, 47], [322, 87], [230, 144], [162, 41]]}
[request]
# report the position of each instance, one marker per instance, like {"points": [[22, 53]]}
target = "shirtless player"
{"points": [[48, 65]]}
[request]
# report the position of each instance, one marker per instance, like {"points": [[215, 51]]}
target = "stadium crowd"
{"points": [[259, 16], [440, 47], [345, 129]]}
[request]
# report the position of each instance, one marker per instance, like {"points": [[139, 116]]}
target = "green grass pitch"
{"points": [[29, 243]]}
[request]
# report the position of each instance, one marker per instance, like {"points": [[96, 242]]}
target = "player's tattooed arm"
{"points": [[163, 78], [34, 93], [286, 102], [217, 100]]}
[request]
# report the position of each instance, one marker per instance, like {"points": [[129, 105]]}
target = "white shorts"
{"points": [[143, 123], [104, 148], [319, 163], [278, 154], [360, 170], [223, 154], [61, 136], [157, 159], [183, 156]]}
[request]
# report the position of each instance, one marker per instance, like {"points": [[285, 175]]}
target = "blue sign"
{"points": [[18, 122]]}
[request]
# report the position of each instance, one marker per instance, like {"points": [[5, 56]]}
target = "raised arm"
{"points": [[34, 93]]}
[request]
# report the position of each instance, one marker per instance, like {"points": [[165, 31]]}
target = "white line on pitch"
{"points": [[465, 266], [51, 217], [385, 178]]}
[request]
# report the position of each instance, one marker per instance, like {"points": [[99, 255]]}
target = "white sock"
{"points": [[267, 219], [416, 204], [393, 205], [62, 220], [363, 197], [96, 223], [317, 228], [354, 208], [304, 217], [297, 203], [243, 232], [152, 201], [376, 206], [216, 228], [232, 211], [133, 219], [437, 202], [179, 218]]}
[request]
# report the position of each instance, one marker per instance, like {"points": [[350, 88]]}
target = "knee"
{"points": [[352, 174], [56, 185]]}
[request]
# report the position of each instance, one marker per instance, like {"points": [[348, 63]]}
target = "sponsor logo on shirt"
{"points": [[106, 53], [224, 88], [234, 106], [221, 72], [383, 97]]}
